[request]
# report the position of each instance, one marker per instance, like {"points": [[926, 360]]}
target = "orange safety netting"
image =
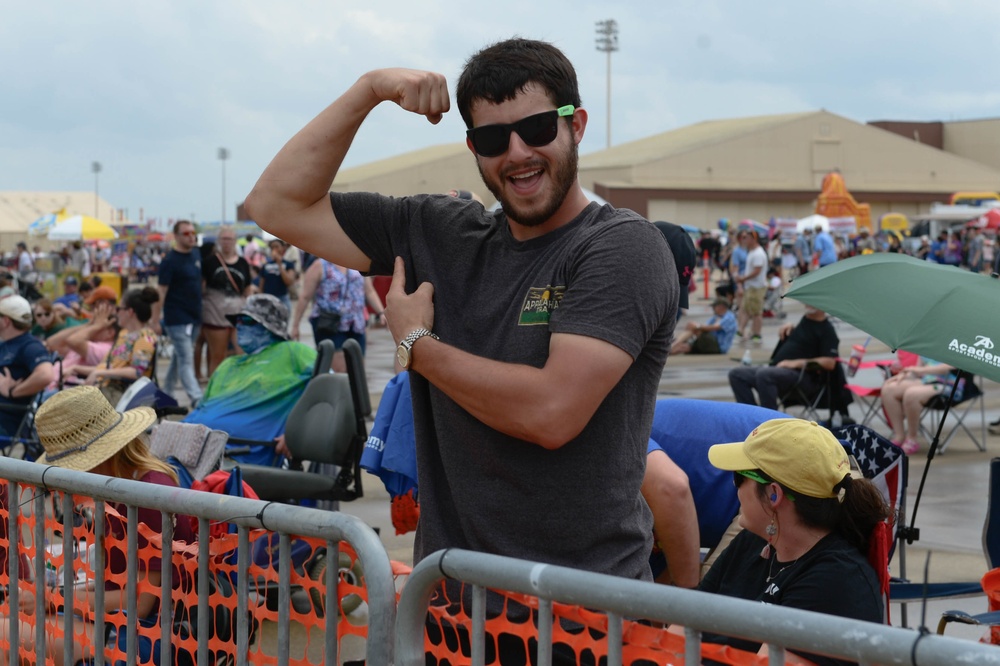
{"points": [[578, 635], [306, 610]]}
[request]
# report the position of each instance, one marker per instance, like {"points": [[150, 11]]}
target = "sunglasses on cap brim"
{"points": [[753, 475], [536, 131]]}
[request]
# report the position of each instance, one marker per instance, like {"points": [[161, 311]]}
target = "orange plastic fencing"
{"points": [[578, 635], [307, 607], [578, 630]]}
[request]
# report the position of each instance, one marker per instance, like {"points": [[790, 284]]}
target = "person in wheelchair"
{"points": [[807, 522], [25, 364], [812, 340], [276, 368]]}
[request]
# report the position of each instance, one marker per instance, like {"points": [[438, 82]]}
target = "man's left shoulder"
{"points": [[621, 226]]}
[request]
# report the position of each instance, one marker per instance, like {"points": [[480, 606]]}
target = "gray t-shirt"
{"points": [[609, 275]]}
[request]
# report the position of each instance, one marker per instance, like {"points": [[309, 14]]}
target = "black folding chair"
{"points": [[810, 393], [972, 395]]}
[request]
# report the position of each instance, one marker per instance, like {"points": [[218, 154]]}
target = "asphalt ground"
{"points": [[951, 512]]}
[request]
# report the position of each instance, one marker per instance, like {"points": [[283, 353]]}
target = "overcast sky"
{"points": [[153, 90]]}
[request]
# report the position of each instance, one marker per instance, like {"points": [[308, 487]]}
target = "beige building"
{"points": [[19, 209], [759, 167], [773, 166]]}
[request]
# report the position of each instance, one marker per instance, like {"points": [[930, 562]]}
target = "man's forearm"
{"points": [[548, 406], [40, 377], [503, 396]]}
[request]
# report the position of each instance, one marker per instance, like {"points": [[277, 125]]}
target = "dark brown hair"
{"points": [[499, 72]]}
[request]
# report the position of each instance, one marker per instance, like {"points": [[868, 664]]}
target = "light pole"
{"points": [[95, 168], [607, 41], [223, 156]]}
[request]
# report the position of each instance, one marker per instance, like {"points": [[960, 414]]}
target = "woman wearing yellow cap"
{"points": [[807, 527]]}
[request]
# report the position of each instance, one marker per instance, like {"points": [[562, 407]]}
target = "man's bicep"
{"points": [[318, 231], [585, 369]]}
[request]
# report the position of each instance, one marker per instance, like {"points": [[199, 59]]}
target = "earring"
{"points": [[771, 529]]}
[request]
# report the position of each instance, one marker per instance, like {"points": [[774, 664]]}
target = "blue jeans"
{"points": [[769, 381], [182, 362]]}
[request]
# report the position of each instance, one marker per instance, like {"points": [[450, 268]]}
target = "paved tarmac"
{"points": [[951, 512]]}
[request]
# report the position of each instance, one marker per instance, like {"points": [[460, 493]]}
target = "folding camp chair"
{"points": [[869, 398], [991, 549], [23, 443], [809, 393], [972, 395], [886, 466], [818, 389]]}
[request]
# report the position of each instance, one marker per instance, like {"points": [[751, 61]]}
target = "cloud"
{"points": [[152, 90]]}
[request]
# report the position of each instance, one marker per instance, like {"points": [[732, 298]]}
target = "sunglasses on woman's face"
{"points": [[536, 131]]}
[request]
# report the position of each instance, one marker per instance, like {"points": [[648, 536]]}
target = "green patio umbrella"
{"points": [[941, 312]]}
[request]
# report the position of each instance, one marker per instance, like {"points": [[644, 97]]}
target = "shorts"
{"points": [[706, 343], [753, 301]]}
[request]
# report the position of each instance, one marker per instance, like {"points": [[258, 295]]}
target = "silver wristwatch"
{"points": [[403, 355]]}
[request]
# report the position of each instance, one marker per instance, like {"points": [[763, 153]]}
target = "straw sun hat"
{"points": [[80, 429]]}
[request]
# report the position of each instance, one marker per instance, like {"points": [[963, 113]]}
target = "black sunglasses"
{"points": [[538, 130], [738, 477], [245, 320]]}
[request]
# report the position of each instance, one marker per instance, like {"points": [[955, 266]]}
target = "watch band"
{"points": [[415, 335]]}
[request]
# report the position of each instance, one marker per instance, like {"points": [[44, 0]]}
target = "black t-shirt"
{"points": [[810, 339], [216, 278], [609, 275], [270, 280], [180, 272], [19, 356], [832, 578]]}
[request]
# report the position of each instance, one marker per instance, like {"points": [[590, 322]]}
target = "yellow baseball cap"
{"points": [[801, 455]]}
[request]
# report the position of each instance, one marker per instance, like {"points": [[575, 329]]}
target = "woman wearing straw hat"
{"points": [[807, 527], [80, 430]]}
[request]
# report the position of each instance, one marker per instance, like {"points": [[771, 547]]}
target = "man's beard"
{"points": [[563, 178]]}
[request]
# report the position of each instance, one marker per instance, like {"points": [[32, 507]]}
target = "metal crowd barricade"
{"points": [[775, 626], [286, 520]]}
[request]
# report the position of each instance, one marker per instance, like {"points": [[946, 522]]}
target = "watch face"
{"points": [[403, 357]]}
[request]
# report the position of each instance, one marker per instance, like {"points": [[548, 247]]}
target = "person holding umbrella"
{"points": [[905, 394]]}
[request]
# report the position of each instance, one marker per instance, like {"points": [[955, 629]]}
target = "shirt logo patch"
{"points": [[538, 305]]}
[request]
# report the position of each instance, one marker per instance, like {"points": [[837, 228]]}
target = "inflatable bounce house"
{"points": [[835, 201]]}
